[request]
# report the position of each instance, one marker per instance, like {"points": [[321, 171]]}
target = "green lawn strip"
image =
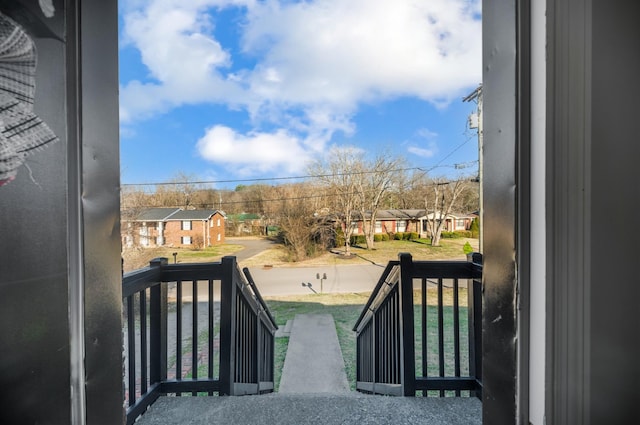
{"points": [[215, 251], [280, 351], [139, 258], [420, 250]]}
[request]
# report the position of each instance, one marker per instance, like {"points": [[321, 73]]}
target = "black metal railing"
{"points": [[420, 332], [194, 329]]}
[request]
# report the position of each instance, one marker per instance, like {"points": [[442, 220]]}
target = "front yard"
{"points": [[451, 249], [277, 256], [137, 258]]}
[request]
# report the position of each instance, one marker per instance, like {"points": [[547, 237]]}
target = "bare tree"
{"points": [[181, 192], [410, 191], [440, 200], [358, 187], [376, 181], [254, 197], [297, 220], [339, 176]]}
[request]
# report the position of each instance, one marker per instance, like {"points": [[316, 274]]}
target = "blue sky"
{"points": [[247, 89]]}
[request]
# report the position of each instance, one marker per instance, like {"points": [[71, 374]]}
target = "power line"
{"points": [[293, 198], [178, 183]]}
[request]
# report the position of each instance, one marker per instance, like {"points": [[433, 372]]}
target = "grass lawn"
{"points": [[139, 258], [382, 253]]}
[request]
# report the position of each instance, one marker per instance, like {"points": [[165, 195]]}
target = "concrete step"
{"points": [[313, 409], [284, 331]]}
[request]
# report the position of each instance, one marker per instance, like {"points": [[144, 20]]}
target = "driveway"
{"points": [[252, 246]]}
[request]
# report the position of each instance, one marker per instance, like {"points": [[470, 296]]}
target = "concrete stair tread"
{"points": [[321, 409], [284, 331]]}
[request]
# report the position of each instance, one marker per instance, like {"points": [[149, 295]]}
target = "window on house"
{"points": [[186, 240], [354, 227], [218, 223], [219, 237], [378, 227], [402, 225], [186, 225], [460, 224]]}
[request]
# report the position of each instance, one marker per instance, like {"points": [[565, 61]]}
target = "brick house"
{"points": [[194, 228], [175, 227], [412, 220], [456, 221], [392, 221]]}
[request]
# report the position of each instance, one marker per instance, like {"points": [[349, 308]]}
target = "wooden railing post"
{"points": [[227, 326], [407, 343], [158, 328], [474, 294]]}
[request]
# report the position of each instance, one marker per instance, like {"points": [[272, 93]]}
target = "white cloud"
{"points": [[423, 143], [185, 63], [316, 61], [344, 52], [278, 153], [324, 53], [422, 152]]}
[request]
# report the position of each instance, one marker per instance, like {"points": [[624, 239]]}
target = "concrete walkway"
{"points": [[314, 362]]}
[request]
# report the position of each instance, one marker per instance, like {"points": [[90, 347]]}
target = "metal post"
{"points": [[227, 325], [259, 347], [322, 279], [474, 301], [407, 344], [158, 326]]}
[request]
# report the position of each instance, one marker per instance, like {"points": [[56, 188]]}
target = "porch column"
{"points": [[60, 309]]}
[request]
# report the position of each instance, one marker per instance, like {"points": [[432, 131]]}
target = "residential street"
{"points": [[289, 280]]}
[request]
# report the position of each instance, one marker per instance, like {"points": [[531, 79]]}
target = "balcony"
{"points": [[194, 330]]}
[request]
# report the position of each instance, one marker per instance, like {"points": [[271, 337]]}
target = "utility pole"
{"points": [[475, 121]]}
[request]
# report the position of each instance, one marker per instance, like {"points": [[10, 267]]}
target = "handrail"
{"points": [[259, 298], [388, 333], [238, 319], [375, 299], [137, 280]]}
